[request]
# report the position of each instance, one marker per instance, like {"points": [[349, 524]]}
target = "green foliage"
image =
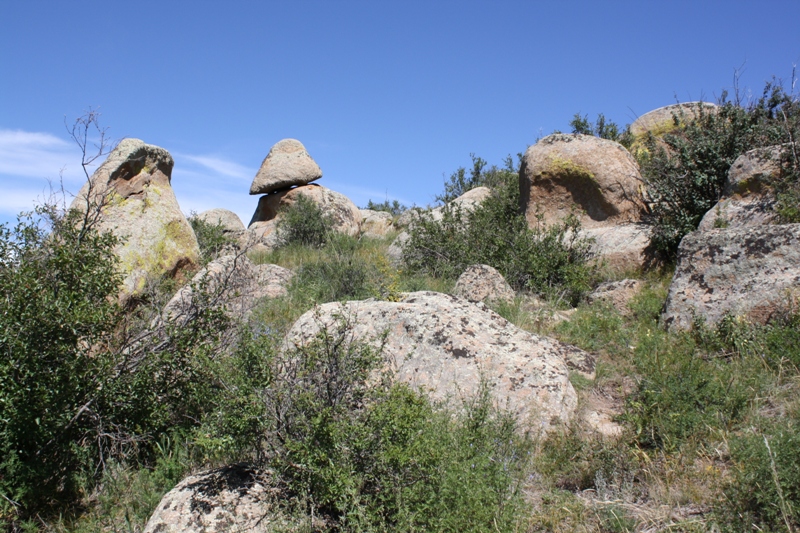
{"points": [[303, 222], [479, 176], [601, 128], [394, 207], [550, 260], [211, 238], [58, 305], [685, 169], [764, 493]]}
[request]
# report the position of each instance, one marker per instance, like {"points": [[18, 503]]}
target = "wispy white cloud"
{"points": [[38, 155], [221, 166]]}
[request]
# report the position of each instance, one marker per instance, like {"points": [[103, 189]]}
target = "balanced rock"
{"points": [[596, 178], [132, 196], [231, 282], [287, 164], [446, 346], [345, 216], [232, 498], [747, 197], [753, 273], [483, 283], [376, 224]]}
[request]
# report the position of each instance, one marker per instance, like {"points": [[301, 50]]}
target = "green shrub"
{"points": [[601, 128], [211, 238], [479, 176], [394, 207], [550, 260], [685, 169], [58, 303], [764, 493], [304, 223]]}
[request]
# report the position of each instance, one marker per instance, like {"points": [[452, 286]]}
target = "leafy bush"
{"points": [[303, 222], [479, 176], [601, 128], [369, 455], [685, 170], [57, 304], [83, 382], [548, 260], [211, 238], [764, 493], [394, 207]]}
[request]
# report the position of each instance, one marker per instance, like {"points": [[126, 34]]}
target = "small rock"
{"points": [[482, 283], [616, 293], [232, 498], [230, 221], [376, 224]]}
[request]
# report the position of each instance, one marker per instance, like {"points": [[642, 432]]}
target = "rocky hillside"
{"points": [[562, 346]]}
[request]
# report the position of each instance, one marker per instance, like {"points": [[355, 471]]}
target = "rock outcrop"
{"points": [[344, 214], [483, 283], [747, 197], [662, 120], [445, 345], [132, 194], [622, 248], [751, 273], [376, 224], [597, 178], [287, 164], [231, 282], [232, 498], [230, 221]]}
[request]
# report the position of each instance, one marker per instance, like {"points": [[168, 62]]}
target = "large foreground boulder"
{"points": [[232, 498], [446, 345], [747, 272], [594, 177], [287, 164], [344, 214], [132, 195], [748, 198]]}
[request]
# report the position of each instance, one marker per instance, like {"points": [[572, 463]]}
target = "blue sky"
{"points": [[388, 97]]}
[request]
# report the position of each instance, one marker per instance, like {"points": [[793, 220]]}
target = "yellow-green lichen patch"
{"points": [[562, 167]]}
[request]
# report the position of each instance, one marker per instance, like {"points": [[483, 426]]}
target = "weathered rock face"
{"points": [[444, 345], [232, 282], [395, 250], [662, 120], [376, 224], [482, 283], [748, 272], [137, 203], [232, 498], [287, 164], [230, 221], [616, 293], [594, 176], [344, 213], [623, 247], [747, 198]]}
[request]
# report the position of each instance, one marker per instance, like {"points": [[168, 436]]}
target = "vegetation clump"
{"points": [[549, 260]]}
